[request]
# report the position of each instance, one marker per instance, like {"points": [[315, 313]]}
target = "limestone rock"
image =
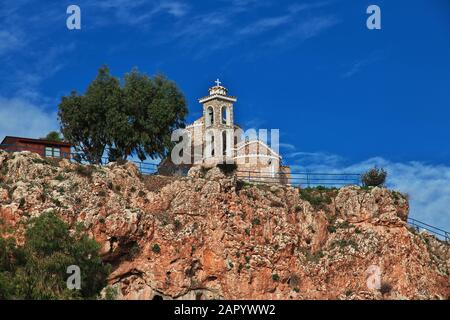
{"points": [[209, 237]]}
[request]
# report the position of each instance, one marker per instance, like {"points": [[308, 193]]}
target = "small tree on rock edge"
{"points": [[374, 177]]}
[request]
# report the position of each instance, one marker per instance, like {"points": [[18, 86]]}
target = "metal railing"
{"points": [[420, 226], [301, 179], [144, 167]]}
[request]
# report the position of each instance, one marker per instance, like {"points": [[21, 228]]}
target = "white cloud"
{"points": [[9, 42], [264, 25], [19, 117], [229, 25], [140, 12], [306, 29], [428, 185], [317, 161], [358, 65], [175, 8], [287, 146]]}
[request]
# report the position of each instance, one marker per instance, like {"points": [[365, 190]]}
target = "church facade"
{"points": [[215, 139]]}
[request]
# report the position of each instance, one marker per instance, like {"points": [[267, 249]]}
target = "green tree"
{"points": [[37, 270], [83, 118], [151, 110], [53, 136], [134, 119], [374, 177]]}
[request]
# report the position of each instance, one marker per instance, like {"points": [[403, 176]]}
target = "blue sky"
{"points": [[344, 97]]}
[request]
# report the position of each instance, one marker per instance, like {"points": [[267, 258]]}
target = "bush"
{"points": [[22, 203], [141, 194], [156, 248], [319, 197], [85, 171], [60, 177], [110, 293], [227, 168], [38, 268], [374, 177], [385, 288], [177, 226], [102, 193]]}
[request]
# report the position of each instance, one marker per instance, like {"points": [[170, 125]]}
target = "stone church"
{"points": [[215, 139]]}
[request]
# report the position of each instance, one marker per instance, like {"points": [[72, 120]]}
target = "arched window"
{"points": [[212, 145], [272, 167], [224, 115], [209, 147], [224, 143], [209, 116]]}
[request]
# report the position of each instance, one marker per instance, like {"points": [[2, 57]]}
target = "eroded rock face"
{"points": [[217, 238]]}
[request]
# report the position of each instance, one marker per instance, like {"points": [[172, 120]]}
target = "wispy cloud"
{"points": [[304, 30], [360, 64], [254, 123], [317, 161], [23, 118], [269, 23], [9, 41], [231, 25], [287, 146], [175, 8], [138, 12], [265, 24], [25, 82], [298, 7]]}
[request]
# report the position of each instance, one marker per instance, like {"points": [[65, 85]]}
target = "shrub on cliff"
{"points": [[319, 197], [38, 268], [374, 177], [227, 168]]}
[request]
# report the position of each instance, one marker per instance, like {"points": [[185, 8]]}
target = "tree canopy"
{"points": [[374, 177], [38, 268], [133, 118], [53, 136]]}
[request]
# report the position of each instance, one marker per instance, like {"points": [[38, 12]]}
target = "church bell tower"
{"points": [[218, 125]]}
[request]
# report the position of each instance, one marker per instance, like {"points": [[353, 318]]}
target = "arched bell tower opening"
{"points": [[225, 115], [224, 143], [209, 144], [209, 116]]}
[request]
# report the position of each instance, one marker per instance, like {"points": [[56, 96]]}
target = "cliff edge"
{"points": [[209, 236]]}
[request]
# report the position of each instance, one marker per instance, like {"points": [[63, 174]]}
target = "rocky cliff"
{"points": [[210, 236]]}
